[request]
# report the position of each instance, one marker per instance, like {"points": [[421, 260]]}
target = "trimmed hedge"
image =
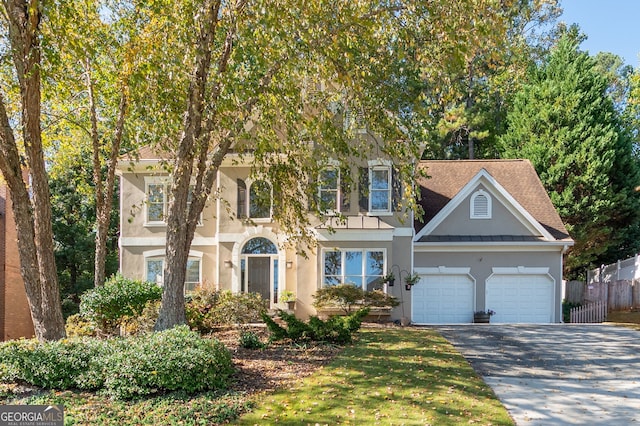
{"points": [[123, 368]]}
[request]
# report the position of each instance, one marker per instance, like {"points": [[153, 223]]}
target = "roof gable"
{"points": [[513, 182]]}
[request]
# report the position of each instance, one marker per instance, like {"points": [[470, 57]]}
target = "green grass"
{"points": [[390, 377], [83, 408]]}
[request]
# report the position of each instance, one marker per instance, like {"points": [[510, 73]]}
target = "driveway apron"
{"points": [[557, 374]]}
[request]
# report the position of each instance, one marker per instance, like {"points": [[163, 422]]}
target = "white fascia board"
{"points": [[355, 235], [490, 246], [496, 190]]}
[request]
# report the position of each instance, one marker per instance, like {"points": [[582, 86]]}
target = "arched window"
{"points": [[260, 200], [480, 205], [259, 245]]}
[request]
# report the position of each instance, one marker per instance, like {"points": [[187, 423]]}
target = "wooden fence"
{"points": [[616, 295], [591, 313]]}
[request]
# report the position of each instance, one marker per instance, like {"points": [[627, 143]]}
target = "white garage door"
{"points": [[518, 298], [444, 299]]}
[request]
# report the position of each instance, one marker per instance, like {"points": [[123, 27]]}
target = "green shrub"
{"points": [[56, 365], [176, 359], [277, 332], [250, 340], [349, 297], [209, 309], [337, 329], [118, 299], [566, 310]]}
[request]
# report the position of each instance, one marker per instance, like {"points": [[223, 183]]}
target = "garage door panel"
{"points": [[442, 299], [520, 298]]}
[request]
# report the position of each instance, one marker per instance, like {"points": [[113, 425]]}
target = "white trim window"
{"points": [[360, 267], [157, 191], [329, 189], [258, 204], [380, 189], [154, 272], [480, 205]]}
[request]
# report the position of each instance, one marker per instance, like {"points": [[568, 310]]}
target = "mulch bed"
{"points": [[279, 365]]}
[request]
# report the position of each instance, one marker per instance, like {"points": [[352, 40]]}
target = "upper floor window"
{"points": [[329, 189], [258, 203], [480, 205], [380, 189], [156, 202], [157, 205]]}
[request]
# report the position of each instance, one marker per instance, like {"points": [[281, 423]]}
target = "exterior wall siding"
{"points": [[502, 222], [481, 263]]}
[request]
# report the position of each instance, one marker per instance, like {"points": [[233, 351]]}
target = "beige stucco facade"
{"points": [[222, 243]]}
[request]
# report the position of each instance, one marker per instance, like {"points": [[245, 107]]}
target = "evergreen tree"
{"points": [[564, 122]]}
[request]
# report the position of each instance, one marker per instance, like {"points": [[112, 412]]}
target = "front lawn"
{"points": [[390, 376]]}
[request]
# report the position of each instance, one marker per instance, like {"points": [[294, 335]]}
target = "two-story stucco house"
{"points": [[490, 238]]}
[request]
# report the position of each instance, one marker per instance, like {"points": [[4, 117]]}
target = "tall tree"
{"points": [[21, 22], [482, 84], [95, 47], [564, 122], [262, 74]]}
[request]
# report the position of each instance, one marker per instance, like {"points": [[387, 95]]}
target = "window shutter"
{"points": [[363, 184], [242, 199], [345, 190], [396, 185]]}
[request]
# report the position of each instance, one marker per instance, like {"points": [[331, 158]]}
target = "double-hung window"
{"points": [[155, 272], [360, 267], [329, 190], [157, 205], [380, 189]]}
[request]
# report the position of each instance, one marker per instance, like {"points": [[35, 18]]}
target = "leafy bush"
{"points": [[348, 297], [176, 359], [337, 329], [250, 340], [209, 309], [50, 364], [120, 298], [143, 323], [566, 310]]}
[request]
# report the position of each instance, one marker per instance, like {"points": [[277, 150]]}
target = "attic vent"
{"points": [[480, 205]]}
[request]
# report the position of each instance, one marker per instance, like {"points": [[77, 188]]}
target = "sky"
{"points": [[611, 25]]}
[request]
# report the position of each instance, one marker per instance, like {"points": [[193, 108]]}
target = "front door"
{"points": [[259, 268], [259, 276]]}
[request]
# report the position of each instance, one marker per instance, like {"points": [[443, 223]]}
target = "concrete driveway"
{"points": [[557, 374]]}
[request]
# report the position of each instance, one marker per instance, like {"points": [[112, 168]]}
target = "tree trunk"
{"points": [[179, 231], [104, 190], [32, 208]]}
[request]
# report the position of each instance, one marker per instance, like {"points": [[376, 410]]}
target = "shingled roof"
{"points": [[518, 177]]}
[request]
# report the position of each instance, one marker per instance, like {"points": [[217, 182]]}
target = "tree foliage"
{"points": [[564, 122], [256, 77]]}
